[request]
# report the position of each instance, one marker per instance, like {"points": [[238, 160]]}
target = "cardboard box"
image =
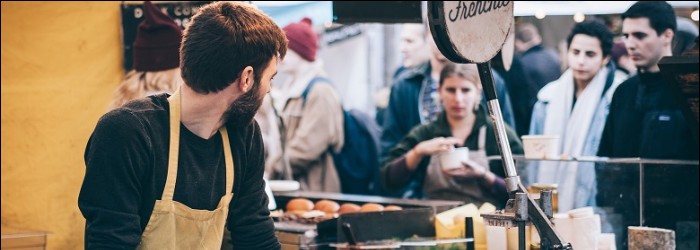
{"points": [[22, 239]]}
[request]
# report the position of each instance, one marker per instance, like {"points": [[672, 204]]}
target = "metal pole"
{"points": [[497, 118], [537, 216], [469, 232]]}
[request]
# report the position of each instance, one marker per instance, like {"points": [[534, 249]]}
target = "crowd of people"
{"points": [[195, 94]]}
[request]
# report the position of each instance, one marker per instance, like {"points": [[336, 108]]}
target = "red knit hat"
{"points": [[157, 44], [302, 39]]}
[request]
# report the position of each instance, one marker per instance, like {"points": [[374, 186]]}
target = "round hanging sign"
{"points": [[470, 31]]}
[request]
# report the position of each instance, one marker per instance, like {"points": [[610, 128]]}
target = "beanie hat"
{"points": [[157, 44], [302, 39], [618, 50]]}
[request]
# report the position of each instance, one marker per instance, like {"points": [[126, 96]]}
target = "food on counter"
{"points": [[308, 217], [300, 205], [392, 208], [313, 214], [276, 213], [348, 208], [371, 207], [327, 206]]}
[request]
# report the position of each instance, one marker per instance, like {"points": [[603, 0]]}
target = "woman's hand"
{"points": [[471, 171], [435, 145]]}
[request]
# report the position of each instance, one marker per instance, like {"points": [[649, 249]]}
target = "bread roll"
{"points": [[300, 204], [327, 206], [348, 208], [392, 208], [371, 207]]}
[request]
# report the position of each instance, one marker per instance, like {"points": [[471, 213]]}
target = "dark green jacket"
{"points": [[397, 177]]}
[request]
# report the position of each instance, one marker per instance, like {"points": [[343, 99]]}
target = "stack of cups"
{"points": [[580, 227]]}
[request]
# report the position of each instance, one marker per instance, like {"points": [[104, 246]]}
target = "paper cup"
{"points": [[453, 159], [541, 146]]}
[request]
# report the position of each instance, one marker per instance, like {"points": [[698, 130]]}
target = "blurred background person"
{"points": [[314, 123], [156, 58], [414, 51], [624, 64], [276, 162], [646, 120], [517, 88], [686, 33], [413, 46], [462, 123], [413, 98], [575, 108], [540, 65]]}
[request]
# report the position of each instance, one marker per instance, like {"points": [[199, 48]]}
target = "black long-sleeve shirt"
{"points": [[127, 162], [646, 120]]}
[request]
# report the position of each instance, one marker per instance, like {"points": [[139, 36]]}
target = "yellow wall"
{"points": [[60, 64]]}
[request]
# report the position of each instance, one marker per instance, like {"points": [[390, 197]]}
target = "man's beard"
{"points": [[241, 112]]}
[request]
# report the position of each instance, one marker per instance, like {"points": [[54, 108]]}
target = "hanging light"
{"points": [[540, 14], [579, 17], [694, 15]]}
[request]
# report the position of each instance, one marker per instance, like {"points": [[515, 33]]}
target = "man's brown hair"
{"points": [[222, 39]]}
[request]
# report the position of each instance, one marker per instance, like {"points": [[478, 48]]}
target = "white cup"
{"points": [[541, 146], [453, 159]]}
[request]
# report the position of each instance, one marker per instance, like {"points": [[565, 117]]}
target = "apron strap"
{"points": [[169, 190], [174, 103], [482, 138], [228, 158]]}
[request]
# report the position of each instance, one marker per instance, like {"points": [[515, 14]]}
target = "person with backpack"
{"points": [[314, 123], [462, 123]]}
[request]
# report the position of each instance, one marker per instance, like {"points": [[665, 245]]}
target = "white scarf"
{"points": [[571, 125]]}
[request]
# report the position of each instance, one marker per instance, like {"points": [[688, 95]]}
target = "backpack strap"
{"points": [[610, 77], [304, 94], [481, 143], [310, 85]]}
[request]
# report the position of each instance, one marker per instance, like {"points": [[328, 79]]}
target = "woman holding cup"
{"points": [[446, 159]]}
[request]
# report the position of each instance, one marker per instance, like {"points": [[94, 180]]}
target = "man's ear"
{"points": [[668, 36], [246, 79]]}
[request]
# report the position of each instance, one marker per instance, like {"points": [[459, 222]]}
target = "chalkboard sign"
{"points": [[132, 15]]}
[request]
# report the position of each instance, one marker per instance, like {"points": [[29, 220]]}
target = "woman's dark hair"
{"points": [[595, 29]]}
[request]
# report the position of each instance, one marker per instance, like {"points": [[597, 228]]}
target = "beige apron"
{"points": [[438, 186], [173, 225]]}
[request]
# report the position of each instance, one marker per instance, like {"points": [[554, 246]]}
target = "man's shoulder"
{"points": [[425, 131], [411, 75], [149, 104], [407, 84], [627, 86], [135, 113]]}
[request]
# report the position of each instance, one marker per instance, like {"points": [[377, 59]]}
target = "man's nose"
{"points": [[631, 43]]}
